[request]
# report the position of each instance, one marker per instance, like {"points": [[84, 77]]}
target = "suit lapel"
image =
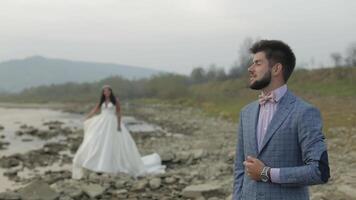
{"points": [[283, 110], [254, 119]]}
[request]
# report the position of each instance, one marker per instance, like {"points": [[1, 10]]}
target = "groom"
{"points": [[280, 148]]}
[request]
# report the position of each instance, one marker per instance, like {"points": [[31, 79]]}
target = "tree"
{"points": [[337, 58], [240, 66], [198, 75], [167, 86], [235, 71], [211, 74], [245, 58], [351, 55], [220, 74]]}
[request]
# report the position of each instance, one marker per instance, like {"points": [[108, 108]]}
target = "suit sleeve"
{"points": [[314, 153], [239, 168]]}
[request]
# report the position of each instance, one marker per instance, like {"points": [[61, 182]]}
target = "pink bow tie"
{"points": [[269, 97]]}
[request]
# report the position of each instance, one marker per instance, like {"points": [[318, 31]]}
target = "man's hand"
{"points": [[253, 168]]}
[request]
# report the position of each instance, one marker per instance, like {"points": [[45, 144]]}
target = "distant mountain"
{"points": [[16, 75]]}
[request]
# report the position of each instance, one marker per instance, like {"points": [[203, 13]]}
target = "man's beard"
{"points": [[263, 82]]}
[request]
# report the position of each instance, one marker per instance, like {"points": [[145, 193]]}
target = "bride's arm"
{"points": [[93, 111], [118, 114]]}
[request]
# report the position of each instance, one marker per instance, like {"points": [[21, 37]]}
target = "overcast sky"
{"points": [[172, 35]]}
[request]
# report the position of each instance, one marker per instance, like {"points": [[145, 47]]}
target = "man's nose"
{"points": [[249, 69]]}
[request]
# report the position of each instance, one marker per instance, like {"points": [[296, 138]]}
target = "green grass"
{"points": [[332, 90]]}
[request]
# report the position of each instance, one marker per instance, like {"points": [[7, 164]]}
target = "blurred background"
{"points": [[167, 61]]}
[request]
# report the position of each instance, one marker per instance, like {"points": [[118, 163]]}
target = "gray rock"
{"points": [[93, 177], [229, 197], [155, 183], [68, 187], [182, 182], [120, 194], [27, 140], [199, 153], [317, 196], [11, 172], [348, 191], [203, 190], [38, 190], [120, 184], [121, 191], [182, 157], [167, 156], [93, 190], [9, 196], [194, 173], [54, 176], [139, 185], [65, 197], [178, 136], [8, 162], [170, 180]]}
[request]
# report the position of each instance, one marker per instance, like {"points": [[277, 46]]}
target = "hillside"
{"points": [[16, 75]]}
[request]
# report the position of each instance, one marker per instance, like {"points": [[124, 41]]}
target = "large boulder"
{"points": [[38, 190], [9, 196], [202, 190], [93, 190]]}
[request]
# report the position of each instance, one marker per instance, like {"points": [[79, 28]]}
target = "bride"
{"points": [[108, 146]]}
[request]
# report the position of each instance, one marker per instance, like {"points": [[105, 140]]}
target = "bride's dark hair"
{"points": [[112, 96]]}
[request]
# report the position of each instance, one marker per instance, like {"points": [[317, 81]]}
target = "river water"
{"points": [[12, 118]]}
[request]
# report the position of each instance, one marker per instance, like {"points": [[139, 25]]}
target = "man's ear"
{"points": [[277, 69]]}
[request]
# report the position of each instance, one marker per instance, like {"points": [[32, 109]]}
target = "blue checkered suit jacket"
{"points": [[293, 142]]}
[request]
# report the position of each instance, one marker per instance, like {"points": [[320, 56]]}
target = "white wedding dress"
{"points": [[105, 149]]}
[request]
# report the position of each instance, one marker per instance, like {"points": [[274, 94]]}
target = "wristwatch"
{"points": [[264, 174]]}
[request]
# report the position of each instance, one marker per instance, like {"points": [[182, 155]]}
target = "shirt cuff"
{"points": [[275, 177]]}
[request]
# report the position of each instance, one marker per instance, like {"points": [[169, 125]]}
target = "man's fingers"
{"points": [[246, 163], [251, 159]]}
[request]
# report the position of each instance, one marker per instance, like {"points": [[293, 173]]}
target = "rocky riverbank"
{"points": [[197, 149]]}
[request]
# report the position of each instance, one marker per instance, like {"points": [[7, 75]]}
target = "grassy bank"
{"points": [[332, 90]]}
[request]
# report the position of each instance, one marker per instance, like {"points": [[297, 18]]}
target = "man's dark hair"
{"points": [[277, 52]]}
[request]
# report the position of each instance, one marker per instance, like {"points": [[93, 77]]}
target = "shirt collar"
{"points": [[280, 92]]}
